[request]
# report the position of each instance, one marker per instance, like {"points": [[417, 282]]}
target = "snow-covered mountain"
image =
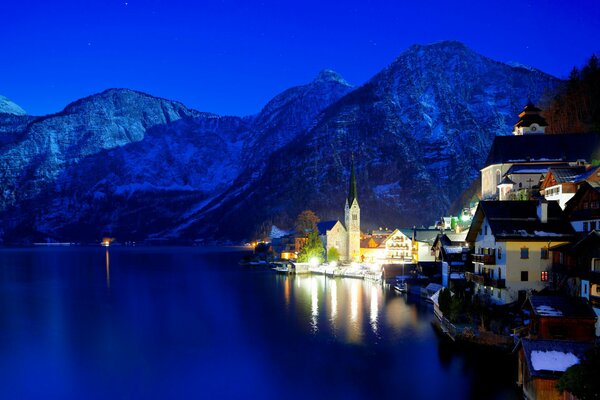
{"points": [[9, 107], [136, 166]]}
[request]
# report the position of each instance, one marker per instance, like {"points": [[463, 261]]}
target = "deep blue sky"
{"points": [[231, 57]]}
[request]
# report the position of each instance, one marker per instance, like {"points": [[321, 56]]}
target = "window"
{"points": [[586, 205], [499, 291], [595, 264], [524, 252], [594, 204], [524, 276], [544, 276], [585, 226], [354, 217], [499, 253], [544, 253]]}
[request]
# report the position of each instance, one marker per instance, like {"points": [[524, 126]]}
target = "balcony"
{"points": [[476, 278], [487, 259], [485, 280]]}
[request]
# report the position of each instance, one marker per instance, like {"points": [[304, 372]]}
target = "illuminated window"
{"points": [[544, 253], [544, 276], [524, 252]]}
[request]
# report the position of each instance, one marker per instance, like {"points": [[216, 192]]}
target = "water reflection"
{"points": [[107, 269], [351, 310]]}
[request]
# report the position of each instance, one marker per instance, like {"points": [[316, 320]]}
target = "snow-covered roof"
{"points": [[552, 360], [559, 306]]}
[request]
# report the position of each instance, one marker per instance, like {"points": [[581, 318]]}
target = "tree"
{"points": [[333, 254], [312, 249], [449, 305], [581, 379], [306, 222]]}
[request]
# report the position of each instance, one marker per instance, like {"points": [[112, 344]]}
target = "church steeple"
{"points": [[352, 190], [530, 121]]}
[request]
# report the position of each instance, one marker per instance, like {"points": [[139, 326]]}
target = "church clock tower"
{"points": [[352, 219]]}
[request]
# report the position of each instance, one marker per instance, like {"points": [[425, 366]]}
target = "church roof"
{"points": [[325, 226], [506, 181], [544, 148]]}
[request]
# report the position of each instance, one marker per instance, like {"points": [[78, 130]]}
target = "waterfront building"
{"points": [[511, 241], [423, 255], [394, 248], [542, 363], [451, 250]]}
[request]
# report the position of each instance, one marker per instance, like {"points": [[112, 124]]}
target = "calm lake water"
{"points": [[87, 323]]}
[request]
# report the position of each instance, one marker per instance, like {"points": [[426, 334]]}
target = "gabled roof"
{"points": [[563, 174], [554, 354], [518, 220], [506, 181], [425, 235], [583, 188], [544, 148], [530, 119], [561, 306], [536, 168], [325, 226]]}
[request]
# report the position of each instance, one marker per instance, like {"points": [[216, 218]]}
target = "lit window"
{"points": [[544, 276], [524, 252], [544, 253]]}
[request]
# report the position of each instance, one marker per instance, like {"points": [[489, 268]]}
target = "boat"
{"points": [[282, 268]]}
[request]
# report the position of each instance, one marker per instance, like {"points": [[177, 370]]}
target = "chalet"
{"points": [[534, 151], [542, 363], [394, 248], [511, 241], [560, 183], [561, 317], [583, 210]]}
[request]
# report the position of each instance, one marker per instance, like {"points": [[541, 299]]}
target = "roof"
{"points": [[561, 306], [530, 168], [583, 214], [325, 226], [518, 220], [506, 181], [566, 174], [425, 235], [546, 147], [550, 358], [352, 190], [530, 119]]}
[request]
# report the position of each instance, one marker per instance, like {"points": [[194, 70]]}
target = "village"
{"points": [[518, 270]]}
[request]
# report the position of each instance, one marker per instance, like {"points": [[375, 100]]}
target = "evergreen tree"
{"points": [[312, 249], [581, 379], [333, 254]]}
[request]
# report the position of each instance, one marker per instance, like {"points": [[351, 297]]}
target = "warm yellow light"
{"points": [[314, 262]]}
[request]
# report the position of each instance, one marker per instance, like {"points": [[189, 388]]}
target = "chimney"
{"points": [[542, 210]]}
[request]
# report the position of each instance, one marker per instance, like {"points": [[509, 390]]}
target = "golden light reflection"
{"points": [[107, 269], [374, 308], [399, 314], [354, 302], [286, 291], [334, 303], [314, 291]]}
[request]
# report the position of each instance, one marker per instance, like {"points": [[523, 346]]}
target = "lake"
{"points": [[128, 323]]}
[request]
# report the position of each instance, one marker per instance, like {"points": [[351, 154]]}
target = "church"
{"points": [[345, 238]]}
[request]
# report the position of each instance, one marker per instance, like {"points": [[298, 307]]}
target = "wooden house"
{"points": [[561, 318]]}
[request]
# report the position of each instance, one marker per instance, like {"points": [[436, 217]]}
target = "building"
{"points": [[583, 209], [393, 248], [333, 234], [423, 255], [511, 241], [534, 151], [542, 363], [530, 121], [452, 251], [560, 183], [561, 317]]}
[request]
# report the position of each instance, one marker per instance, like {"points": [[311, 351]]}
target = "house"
{"points": [[560, 183], [452, 251], [542, 363], [583, 209], [561, 317], [535, 151], [422, 250], [511, 241], [393, 248]]}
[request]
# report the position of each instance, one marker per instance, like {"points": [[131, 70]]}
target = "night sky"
{"points": [[231, 57]]}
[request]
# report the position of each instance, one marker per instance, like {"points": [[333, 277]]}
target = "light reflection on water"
{"points": [[347, 309]]}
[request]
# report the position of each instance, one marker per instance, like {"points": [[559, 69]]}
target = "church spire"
{"points": [[352, 191]]}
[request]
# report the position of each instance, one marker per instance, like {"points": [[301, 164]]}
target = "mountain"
{"points": [[419, 131], [135, 166], [8, 107]]}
